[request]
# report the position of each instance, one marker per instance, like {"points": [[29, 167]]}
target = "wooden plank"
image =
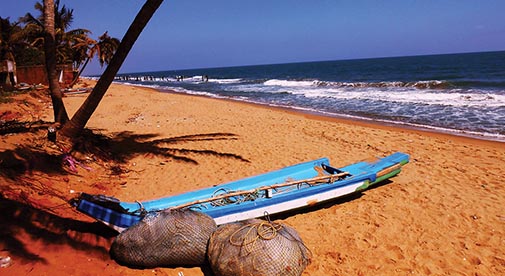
{"points": [[389, 169]]}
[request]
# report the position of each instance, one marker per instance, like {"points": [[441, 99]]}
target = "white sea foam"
{"points": [[428, 84], [399, 92], [419, 98], [225, 81], [445, 98], [289, 83], [466, 133], [402, 95]]}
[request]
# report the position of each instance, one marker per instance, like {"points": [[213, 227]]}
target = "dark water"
{"points": [[460, 93]]}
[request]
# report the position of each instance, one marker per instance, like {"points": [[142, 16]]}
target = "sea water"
{"points": [[459, 93]]}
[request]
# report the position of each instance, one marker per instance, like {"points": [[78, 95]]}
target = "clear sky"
{"points": [[203, 33]]}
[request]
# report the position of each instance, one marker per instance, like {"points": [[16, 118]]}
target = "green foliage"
{"points": [[11, 38], [29, 56], [23, 41]]}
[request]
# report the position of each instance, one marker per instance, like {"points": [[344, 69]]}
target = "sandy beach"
{"points": [[442, 215]]}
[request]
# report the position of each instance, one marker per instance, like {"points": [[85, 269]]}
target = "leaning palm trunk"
{"points": [[60, 113], [76, 77], [74, 127]]}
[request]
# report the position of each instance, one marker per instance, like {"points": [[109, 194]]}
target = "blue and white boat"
{"points": [[287, 189]]}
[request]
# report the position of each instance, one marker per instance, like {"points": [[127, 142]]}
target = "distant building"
{"points": [[36, 74], [10, 74]]}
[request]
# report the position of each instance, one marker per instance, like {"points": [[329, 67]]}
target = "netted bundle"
{"points": [[168, 238], [257, 247]]}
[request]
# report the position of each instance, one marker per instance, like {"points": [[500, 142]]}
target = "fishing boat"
{"points": [[286, 189]]}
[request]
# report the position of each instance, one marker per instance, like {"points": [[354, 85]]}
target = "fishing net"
{"points": [[168, 238], [257, 247]]}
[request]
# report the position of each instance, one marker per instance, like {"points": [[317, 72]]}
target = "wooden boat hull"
{"points": [[287, 189]]}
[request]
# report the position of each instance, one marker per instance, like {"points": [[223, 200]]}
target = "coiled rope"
{"points": [[261, 230], [239, 198]]}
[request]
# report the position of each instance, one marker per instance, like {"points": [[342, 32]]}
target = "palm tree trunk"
{"points": [[76, 78], [60, 113], [74, 127]]}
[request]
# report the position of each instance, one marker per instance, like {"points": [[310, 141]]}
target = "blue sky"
{"points": [[201, 33]]}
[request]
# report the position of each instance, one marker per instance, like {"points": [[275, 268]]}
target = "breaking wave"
{"points": [[463, 92], [431, 84]]}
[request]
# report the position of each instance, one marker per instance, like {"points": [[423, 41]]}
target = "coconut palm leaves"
{"points": [[72, 46], [87, 48], [76, 125], [76, 47], [10, 38], [64, 39]]}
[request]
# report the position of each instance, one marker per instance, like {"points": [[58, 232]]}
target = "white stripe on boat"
{"points": [[288, 205]]}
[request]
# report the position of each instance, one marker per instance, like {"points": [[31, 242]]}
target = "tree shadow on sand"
{"points": [[14, 126], [50, 229], [125, 145], [17, 220], [32, 167], [42, 156]]}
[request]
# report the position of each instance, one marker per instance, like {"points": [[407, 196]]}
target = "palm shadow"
{"points": [[17, 217], [19, 164], [119, 148], [25, 160], [125, 145], [14, 126]]}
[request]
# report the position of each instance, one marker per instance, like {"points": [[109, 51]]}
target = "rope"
{"points": [[222, 201], [141, 211], [254, 193], [264, 231]]}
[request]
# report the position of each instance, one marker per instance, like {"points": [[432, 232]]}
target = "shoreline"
{"points": [[490, 137], [465, 124], [473, 138]]}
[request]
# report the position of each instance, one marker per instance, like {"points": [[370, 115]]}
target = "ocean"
{"points": [[463, 94]]}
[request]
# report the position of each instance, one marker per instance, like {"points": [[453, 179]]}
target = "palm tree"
{"points": [[64, 38], [105, 48], [76, 125], [11, 38], [48, 31], [86, 49], [60, 113], [83, 51]]}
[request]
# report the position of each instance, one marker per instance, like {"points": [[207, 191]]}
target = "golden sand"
{"points": [[443, 214]]}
